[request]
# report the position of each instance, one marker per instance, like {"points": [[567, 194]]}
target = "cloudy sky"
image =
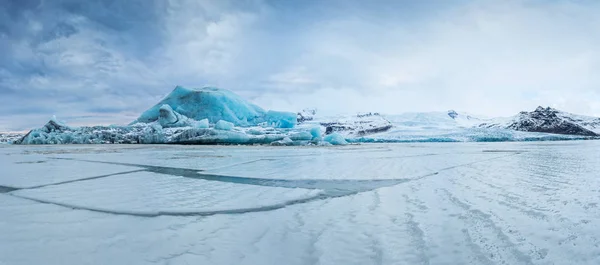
{"points": [[105, 61]]}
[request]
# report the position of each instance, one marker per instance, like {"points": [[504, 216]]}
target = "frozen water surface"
{"points": [[442, 203]]}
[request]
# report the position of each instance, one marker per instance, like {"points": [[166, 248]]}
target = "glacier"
{"points": [[212, 115]]}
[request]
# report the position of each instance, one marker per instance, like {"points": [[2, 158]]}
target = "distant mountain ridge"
{"points": [[541, 120], [217, 116], [10, 137], [549, 120]]}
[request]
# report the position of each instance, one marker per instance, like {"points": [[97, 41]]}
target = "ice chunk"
{"points": [[285, 141], [210, 136], [56, 133], [224, 125], [315, 132], [301, 136], [335, 139], [170, 118], [281, 119], [202, 124], [166, 115], [255, 132]]}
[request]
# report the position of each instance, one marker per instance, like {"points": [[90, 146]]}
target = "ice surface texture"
{"points": [[452, 203]]}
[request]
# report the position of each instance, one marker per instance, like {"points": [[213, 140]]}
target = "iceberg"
{"points": [[315, 132], [281, 119], [186, 116], [56, 133], [224, 125], [169, 118], [301, 136], [216, 104], [335, 139], [203, 124]]}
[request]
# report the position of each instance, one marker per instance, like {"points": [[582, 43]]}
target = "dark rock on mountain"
{"points": [[305, 115], [361, 125], [549, 120]]}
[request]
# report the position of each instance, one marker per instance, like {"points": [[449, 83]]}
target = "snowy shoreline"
{"points": [[208, 116]]}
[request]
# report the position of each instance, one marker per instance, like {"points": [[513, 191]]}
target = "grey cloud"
{"points": [[92, 58]]}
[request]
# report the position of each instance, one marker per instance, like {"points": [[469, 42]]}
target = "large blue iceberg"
{"points": [[188, 116], [216, 104]]}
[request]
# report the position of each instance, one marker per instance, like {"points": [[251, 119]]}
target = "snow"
{"points": [[224, 125], [306, 115], [9, 137], [588, 122], [410, 127], [457, 203], [350, 125], [436, 120], [548, 120], [408, 135]]}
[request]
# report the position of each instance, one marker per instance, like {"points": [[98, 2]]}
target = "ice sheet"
{"points": [[191, 157], [378, 165], [151, 194], [30, 170], [529, 203]]}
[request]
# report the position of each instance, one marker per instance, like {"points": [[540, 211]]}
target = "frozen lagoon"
{"points": [[427, 203]]}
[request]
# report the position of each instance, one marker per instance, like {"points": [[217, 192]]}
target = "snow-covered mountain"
{"points": [[549, 120], [9, 137], [435, 120], [348, 125]]}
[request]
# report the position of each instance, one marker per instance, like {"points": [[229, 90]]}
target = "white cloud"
{"points": [[485, 57]]}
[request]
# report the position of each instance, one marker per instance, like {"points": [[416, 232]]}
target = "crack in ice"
{"points": [[331, 188]]}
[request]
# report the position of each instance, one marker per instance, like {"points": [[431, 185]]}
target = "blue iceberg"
{"points": [[216, 104], [335, 139], [224, 125]]}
